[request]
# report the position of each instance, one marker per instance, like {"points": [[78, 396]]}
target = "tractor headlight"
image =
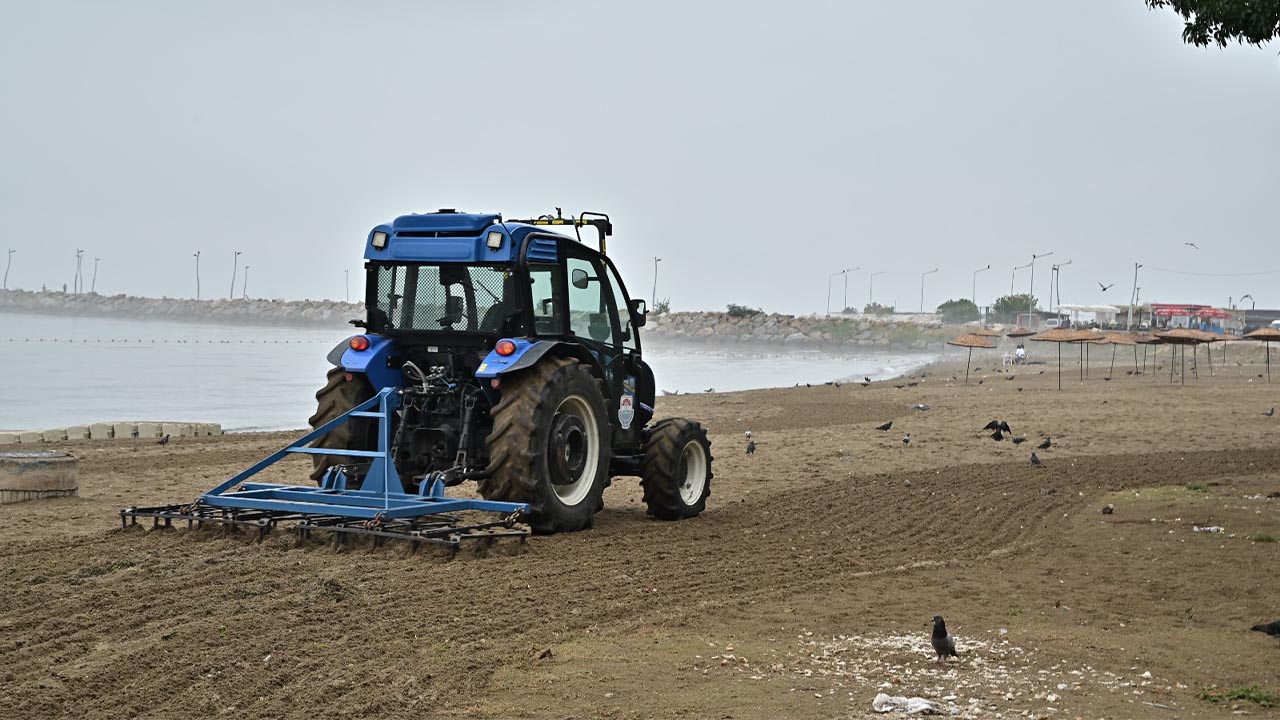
{"points": [[379, 239], [494, 240]]}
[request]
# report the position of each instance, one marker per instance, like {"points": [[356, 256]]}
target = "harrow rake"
{"points": [[379, 510]]}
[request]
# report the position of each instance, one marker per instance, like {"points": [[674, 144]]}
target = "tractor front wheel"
{"points": [[675, 471], [550, 446]]}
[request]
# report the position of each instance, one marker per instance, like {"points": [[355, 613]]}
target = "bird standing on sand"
{"points": [[751, 447], [747, 434], [906, 439], [943, 644], [885, 427], [163, 441], [1045, 445], [1270, 412], [1035, 460], [1271, 628], [1019, 440]]}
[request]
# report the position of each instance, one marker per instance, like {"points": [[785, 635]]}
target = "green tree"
{"points": [[661, 306], [878, 309], [742, 311], [959, 311], [1006, 309], [1220, 22]]}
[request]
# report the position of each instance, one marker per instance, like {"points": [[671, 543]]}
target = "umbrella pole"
{"points": [[1195, 360], [1112, 371], [1268, 362], [1208, 351], [1135, 358], [1183, 372], [1173, 349], [966, 366], [1060, 364], [1086, 359], [1081, 362]]}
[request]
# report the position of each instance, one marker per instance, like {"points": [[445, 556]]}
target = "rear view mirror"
{"points": [[639, 309], [579, 278]]}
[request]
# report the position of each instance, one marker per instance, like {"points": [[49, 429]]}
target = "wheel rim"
{"points": [[578, 450], [694, 461]]}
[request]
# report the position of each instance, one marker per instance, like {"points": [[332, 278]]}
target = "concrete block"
{"points": [[31, 475], [122, 431], [30, 437], [78, 432], [55, 435], [9, 438], [148, 431], [175, 429], [215, 429], [97, 431]]}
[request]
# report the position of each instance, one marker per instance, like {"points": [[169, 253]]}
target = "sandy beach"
{"points": [[805, 589]]}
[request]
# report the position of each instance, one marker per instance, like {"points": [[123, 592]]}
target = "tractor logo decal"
{"points": [[626, 411]]}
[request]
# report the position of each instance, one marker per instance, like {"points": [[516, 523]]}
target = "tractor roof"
{"points": [[452, 236]]}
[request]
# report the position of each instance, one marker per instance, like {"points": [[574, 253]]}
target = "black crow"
{"points": [[1035, 460], [751, 447], [997, 435], [1045, 445], [943, 644], [1271, 628], [866, 379], [1004, 427], [1270, 412], [993, 425], [885, 427], [163, 441], [1019, 440], [1106, 287]]}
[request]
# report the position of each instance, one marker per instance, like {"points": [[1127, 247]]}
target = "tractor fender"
{"points": [[335, 355], [371, 361], [529, 352]]}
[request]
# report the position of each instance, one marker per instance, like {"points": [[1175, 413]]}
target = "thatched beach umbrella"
{"points": [[1116, 340], [1086, 339], [971, 341], [1059, 336], [1266, 335], [1183, 337], [985, 332], [1020, 332]]}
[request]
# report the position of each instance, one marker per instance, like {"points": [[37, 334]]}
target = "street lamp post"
{"points": [[7, 264], [78, 282], [840, 272], [244, 289], [1055, 284], [845, 305], [1031, 294], [871, 288], [1133, 300], [235, 266], [927, 272], [1014, 275], [93, 284], [975, 283], [196, 255], [654, 297]]}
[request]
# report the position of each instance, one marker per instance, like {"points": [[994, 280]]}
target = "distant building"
{"points": [[1168, 316]]}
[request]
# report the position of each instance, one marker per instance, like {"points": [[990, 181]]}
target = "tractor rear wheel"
{"points": [[551, 446], [337, 397], [675, 471]]}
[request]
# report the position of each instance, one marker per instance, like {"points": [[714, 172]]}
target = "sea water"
{"points": [[61, 370]]}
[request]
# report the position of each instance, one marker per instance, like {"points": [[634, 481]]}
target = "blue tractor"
{"points": [[514, 351]]}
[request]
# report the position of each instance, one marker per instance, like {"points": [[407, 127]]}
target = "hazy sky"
{"points": [[755, 147]]}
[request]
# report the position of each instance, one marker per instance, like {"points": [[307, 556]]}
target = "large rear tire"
{"points": [[675, 471], [551, 446], [336, 397]]}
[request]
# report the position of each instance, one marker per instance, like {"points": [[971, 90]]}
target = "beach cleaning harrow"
{"points": [[380, 509]]}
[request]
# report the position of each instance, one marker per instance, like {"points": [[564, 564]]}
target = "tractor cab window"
{"points": [[588, 304], [544, 287], [623, 310], [443, 298]]}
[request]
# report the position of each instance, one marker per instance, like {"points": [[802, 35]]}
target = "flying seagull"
{"points": [[1035, 460], [1106, 287], [1271, 628], [885, 427], [1045, 445], [943, 644], [1191, 244]]}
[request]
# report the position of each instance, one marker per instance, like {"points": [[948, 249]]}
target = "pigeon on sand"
{"points": [[885, 427], [751, 447], [1035, 460], [1048, 443], [1271, 628], [943, 644]]}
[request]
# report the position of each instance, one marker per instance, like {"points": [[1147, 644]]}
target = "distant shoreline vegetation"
{"points": [[739, 327]]}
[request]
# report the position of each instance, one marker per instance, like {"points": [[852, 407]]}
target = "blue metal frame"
{"points": [[381, 495]]}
